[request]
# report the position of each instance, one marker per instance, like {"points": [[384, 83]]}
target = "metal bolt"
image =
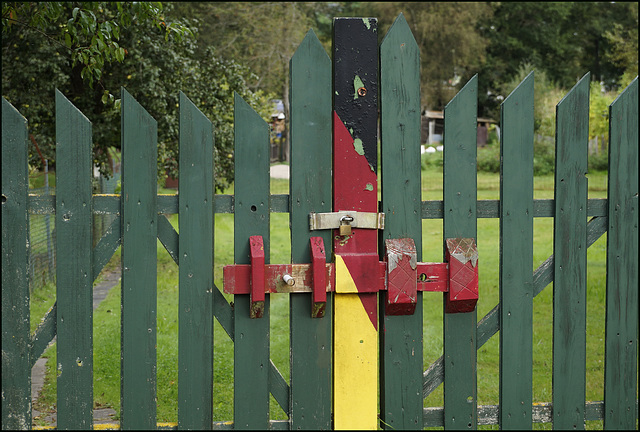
{"points": [[362, 91], [289, 280]]}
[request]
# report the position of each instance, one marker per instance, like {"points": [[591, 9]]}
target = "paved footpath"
{"points": [[100, 415]]}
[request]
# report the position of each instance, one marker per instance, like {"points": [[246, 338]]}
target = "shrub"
{"points": [[489, 158], [431, 160]]}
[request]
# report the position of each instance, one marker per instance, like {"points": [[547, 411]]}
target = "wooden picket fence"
{"points": [[307, 397]]}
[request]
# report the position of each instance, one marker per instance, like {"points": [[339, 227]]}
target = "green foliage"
{"points": [[157, 64], [431, 160], [488, 158], [89, 31], [599, 102]]}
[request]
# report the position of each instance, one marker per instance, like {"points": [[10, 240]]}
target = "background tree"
{"points": [[158, 61]]}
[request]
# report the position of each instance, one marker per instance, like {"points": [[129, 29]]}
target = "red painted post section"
{"points": [[402, 278], [257, 276], [318, 259], [462, 255]]}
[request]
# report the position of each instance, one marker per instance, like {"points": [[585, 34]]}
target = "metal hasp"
{"points": [[355, 219], [257, 278]]}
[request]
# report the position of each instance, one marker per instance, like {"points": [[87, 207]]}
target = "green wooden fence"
{"points": [[307, 397]]}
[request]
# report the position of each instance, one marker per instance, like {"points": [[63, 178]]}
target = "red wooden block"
{"points": [[402, 288], [257, 276], [319, 295], [462, 255]]}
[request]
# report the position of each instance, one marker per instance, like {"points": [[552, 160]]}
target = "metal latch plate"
{"points": [[322, 221]]}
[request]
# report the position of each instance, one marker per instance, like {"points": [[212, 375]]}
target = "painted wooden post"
{"points": [[401, 336], [16, 362], [74, 267], [570, 258], [309, 191], [459, 221], [139, 266], [195, 353], [355, 186], [251, 345], [516, 257], [621, 337]]}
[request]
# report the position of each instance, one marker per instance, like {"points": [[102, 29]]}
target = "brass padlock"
{"points": [[345, 227]]}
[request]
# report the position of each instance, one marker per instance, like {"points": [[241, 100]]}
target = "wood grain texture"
{"points": [[310, 191], [251, 345], [621, 330], [459, 196], [16, 365], [400, 336], [139, 266], [74, 278], [196, 226], [570, 258], [516, 257]]}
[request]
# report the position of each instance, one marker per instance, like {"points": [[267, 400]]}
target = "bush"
{"points": [[489, 158], [431, 160], [599, 161], [544, 156]]}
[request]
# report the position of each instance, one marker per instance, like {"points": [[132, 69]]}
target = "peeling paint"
{"points": [[357, 83], [367, 23], [368, 187], [357, 145]]}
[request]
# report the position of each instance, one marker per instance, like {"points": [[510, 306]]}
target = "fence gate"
{"points": [[356, 281]]}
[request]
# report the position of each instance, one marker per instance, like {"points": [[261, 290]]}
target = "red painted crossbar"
{"points": [[458, 277]]}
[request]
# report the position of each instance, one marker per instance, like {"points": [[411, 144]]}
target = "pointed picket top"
{"points": [[628, 92], [577, 91], [399, 32], [309, 47], [470, 86], [7, 107], [62, 100], [524, 88]]}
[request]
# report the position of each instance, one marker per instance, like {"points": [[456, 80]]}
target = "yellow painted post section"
{"points": [[355, 358]]}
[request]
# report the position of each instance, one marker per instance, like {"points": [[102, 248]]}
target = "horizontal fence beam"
{"points": [[541, 413], [168, 204]]}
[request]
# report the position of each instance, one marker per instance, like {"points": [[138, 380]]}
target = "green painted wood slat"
{"points": [[251, 345], [490, 323], [401, 336], [310, 191], [516, 257], [459, 220], [196, 225], [621, 337], [74, 267], [16, 365], [139, 266], [570, 258]]}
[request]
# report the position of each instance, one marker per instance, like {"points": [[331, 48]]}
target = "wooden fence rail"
{"points": [[307, 397]]}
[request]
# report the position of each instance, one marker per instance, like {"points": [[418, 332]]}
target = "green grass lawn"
{"points": [[107, 317]]}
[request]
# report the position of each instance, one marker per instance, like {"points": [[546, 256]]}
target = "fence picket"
{"points": [[401, 336], [74, 268], [621, 346], [516, 257], [251, 345], [196, 223], [570, 258], [139, 266], [310, 191], [333, 360], [16, 365], [459, 220]]}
